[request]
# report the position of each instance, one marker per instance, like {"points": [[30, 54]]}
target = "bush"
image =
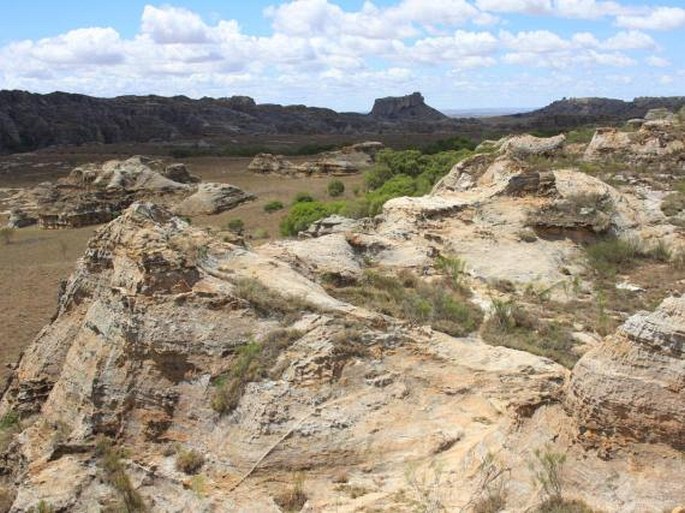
{"points": [[260, 233], [236, 225], [405, 296], [303, 197], [273, 206], [189, 461], [302, 214], [335, 188], [511, 326]]}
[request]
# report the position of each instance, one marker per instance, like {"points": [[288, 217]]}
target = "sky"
{"points": [[461, 54]]}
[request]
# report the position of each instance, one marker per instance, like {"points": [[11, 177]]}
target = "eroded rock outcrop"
{"points": [[633, 384], [347, 160], [410, 107], [98, 193]]}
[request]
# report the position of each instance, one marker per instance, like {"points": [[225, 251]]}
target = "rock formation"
{"points": [[98, 193], [347, 160], [410, 107], [633, 384]]}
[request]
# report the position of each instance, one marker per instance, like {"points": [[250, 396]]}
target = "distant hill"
{"points": [[31, 121]]}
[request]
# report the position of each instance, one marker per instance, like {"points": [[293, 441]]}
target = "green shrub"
{"points": [[303, 197], [335, 188], [189, 461], [303, 214], [273, 206], [405, 296], [250, 363], [547, 472], [236, 225]]}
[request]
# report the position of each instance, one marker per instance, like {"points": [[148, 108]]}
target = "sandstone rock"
{"points": [[606, 141], [268, 163], [179, 173], [212, 198], [411, 106], [20, 219], [329, 225], [633, 384], [523, 146]]}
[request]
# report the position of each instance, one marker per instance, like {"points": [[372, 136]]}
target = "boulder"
{"points": [[20, 219], [212, 198], [633, 384]]}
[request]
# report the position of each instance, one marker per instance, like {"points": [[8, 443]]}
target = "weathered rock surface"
{"points": [[212, 198], [156, 311], [347, 160], [633, 384], [660, 142], [98, 193]]}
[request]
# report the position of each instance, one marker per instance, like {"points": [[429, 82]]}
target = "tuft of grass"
{"points": [[609, 255], [189, 461], [560, 505], [452, 266], [236, 225], [294, 498], [252, 362], [10, 425], [512, 326], [303, 197], [268, 303], [114, 474], [440, 303]]}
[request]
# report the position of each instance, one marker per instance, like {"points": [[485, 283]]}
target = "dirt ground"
{"points": [[35, 261]]}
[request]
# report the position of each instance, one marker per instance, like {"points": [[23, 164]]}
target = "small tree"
{"points": [[336, 188]]}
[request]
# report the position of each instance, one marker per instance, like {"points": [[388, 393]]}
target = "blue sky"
{"points": [[344, 53]]}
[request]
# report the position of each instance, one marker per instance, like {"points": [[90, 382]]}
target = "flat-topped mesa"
{"points": [[407, 107], [633, 384]]}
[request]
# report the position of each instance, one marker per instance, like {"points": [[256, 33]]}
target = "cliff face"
{"points": [[31, 121], [410, 107]]}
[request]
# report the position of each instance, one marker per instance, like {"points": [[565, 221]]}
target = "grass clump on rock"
{"points": [[439, 303], [189, 461], [252, 362]]}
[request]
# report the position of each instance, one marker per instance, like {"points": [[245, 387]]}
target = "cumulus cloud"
{"points": [[660, 18], [169, 25], [318, 48]]}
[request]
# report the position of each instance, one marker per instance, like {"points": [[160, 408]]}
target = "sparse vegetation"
{"points": [[236, 225], [260, 233], [426, 489], [335, 188], [303, 197], [114, 474], [440, 303], [10, 425], [268, 303], [547, 468], [560, 505], [510, 325], [7, 234], [490, 494], [294, 498], [273, 206], [252, 362], [189, 461]]}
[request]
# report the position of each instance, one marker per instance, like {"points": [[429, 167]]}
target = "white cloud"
{"points": [[170, 25], [522, 6], [587, 9], [657, 62], [538, 41], [660, 18], [633, 40], [454, 48]]}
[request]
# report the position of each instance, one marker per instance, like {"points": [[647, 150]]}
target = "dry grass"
{"points": [[31, 269], [189, 461]]}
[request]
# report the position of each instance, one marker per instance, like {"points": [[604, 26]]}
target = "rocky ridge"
{"points": [[158, 316]]}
